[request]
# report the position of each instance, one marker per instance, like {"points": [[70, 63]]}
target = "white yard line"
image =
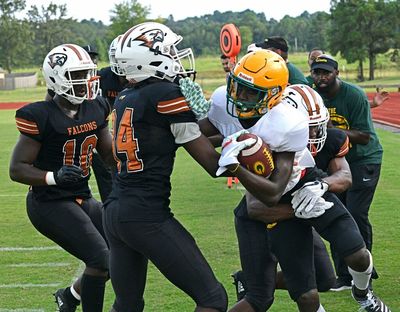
{"points": [[30, 248], [21, 310], [33, 265], [29, 285]]}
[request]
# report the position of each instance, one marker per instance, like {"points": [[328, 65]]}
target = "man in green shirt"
{"points": [[280, 46], [349, 110]]}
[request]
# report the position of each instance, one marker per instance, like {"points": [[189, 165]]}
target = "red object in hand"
{"points": [[258, 157]]}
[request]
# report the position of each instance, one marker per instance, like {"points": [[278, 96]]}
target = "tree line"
{"points": [[357, 29]]}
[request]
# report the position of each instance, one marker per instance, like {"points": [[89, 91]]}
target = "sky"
{"points": [[86, 9]]}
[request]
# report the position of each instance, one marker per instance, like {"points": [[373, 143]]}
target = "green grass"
{"points": [[204, 205]]}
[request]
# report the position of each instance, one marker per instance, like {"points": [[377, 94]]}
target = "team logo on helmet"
{"points": [[57, 59], [151, 38]]}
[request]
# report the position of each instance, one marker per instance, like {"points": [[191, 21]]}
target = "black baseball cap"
{"points": [[325, 62], [90, 49], [274, 42]]}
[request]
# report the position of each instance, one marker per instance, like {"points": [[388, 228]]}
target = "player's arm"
{"points": [[21, 165], [210, 131], [204, 153], [104, 147], [339, 179], [268, 191], [256, 210]]}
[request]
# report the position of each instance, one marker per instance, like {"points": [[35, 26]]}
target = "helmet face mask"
{"points": [[115, 68], [70, 73], [311, 104], [256, 84], [149, 50]]}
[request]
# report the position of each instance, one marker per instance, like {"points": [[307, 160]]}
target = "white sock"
{"points": [[361, 279], [74, 293], [321, 309]]}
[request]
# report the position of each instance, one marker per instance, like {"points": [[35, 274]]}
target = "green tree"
{"points": [[361, 29], [51, 28], [15, 35], [125, 15]]}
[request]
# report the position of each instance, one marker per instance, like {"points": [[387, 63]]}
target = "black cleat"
{"points": [[341, 285], [63, 303], [370, 303], [240, 284]]}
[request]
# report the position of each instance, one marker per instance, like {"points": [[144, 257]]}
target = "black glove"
{"points": [[68, 175]]}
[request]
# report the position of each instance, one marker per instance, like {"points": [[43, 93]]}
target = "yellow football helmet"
{"points": [[256, 84]]}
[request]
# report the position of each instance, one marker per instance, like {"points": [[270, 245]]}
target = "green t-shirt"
{"points": [[295, 75], [350, 110], [310, 81]]}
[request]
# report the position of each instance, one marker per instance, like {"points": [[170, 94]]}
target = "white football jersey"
{"points": [[283, 128]]}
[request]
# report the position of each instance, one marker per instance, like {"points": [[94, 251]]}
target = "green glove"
{"points": [[194, 96]]}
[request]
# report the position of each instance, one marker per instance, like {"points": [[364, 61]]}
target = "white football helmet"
{"points": [[111, 57], [149, 50], [310, 103], [58, 68]]}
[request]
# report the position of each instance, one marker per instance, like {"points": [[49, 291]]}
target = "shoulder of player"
{"points": [[168, 98], [337, 141], [40, 108], [29, 118], [102, 103], [285, 115]]}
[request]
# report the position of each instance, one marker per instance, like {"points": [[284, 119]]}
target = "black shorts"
{"points": [[170, 247], [292, 243], [75, 227]]}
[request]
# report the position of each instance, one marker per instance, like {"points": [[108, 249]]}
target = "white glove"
{"points": [[194, 96], [305, 197], [231, 149], [317, 210]]}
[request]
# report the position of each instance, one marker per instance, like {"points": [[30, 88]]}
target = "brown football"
{"points": [[258, 157]]}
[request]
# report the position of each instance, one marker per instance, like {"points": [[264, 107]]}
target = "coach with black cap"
{"points": [[279, 45], [92, 52], [349, 110]]}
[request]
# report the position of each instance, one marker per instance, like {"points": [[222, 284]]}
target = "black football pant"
{"points": [[76, 226], [292, 243], [170, 247], [358, 200]]}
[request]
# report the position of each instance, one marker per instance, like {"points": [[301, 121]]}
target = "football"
{"points": [[258, 157]]}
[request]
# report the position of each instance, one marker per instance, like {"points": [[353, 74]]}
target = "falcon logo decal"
{"points": [[57, 59], [151, 38]]}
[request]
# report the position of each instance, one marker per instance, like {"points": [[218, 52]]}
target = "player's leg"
{"points": [[292, 243], [175, 253], [68, 225], [358, 201], [258, 265], [338, 227], [128, 267], [324, 271]]}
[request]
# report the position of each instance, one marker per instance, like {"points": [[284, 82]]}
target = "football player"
{"points": [[151, 119], [53, 155], [254, 102], [111, 83]]}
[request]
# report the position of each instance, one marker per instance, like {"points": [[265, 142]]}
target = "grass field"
{"points": [[32, 267]]}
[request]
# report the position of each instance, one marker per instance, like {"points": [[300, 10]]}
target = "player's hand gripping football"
{"points": [[195, 97], [309, 198], [67, 175], [231, 148]]}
